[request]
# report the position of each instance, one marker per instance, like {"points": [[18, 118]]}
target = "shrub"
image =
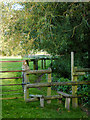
{"points": [[61, 67]]}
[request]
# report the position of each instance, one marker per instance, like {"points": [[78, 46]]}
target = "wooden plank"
{"points": [[57, 84], [79, 73], [82, 70], [35, 64], [26, 90], [25, 66], [45, 98], [13, 84], [74, 91], [42, 64], [12, 78], [32, 59], [38, 96], [64, 94], [13, 71], [11, 90], [69, 95], [49, 88], [38, 71], [67, 103], [10, 98], [72, 65], [74, 79], [12, 61], [48, 98], [41, 101], [11, 94]]}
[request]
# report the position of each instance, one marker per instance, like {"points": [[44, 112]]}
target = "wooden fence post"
{"points": [[49, 88], [74, 91], [73, 78], [26, 90], [35, 64], [42, 63], [67, 103]]}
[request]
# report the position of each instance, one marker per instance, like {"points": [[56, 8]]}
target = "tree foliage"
{"points": [[57, 28]]}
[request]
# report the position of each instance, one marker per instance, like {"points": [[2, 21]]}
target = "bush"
{"points": [[61, 67], [84, 90]]}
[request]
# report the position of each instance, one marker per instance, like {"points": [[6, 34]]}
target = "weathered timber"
{"points": [[11, 94], [13, 71], [49, 88], [74, 91], [67, 103], [10, 98], [50, 98], [12, 78], [11, 61], [25, 66], [41, 101], [26, 90], [35, 64], [45, 98], [27, 62], [57, 84], [72, 65], [67, 100], [64, 94], [13, 84], [79, 73], [42, 64], [32, 99], [11, 90], [38, 96], [38, 71], [42, 59], [45, 64], [82, 70]]}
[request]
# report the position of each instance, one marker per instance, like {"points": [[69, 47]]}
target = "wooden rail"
{"points": [[11, 90], [12, 78], [11, 94], [82, 70], [10, 98], [12, 61], [57, 84], [13, 84], [38, 71], [13, 71]]}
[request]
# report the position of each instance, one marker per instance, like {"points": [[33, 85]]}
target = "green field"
{"points": [[17, 108]]}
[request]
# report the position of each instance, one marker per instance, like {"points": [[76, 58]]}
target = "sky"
{"points": [[15, 6]]}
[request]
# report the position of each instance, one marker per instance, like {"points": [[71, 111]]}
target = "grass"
{"points": [[17, 108]]}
